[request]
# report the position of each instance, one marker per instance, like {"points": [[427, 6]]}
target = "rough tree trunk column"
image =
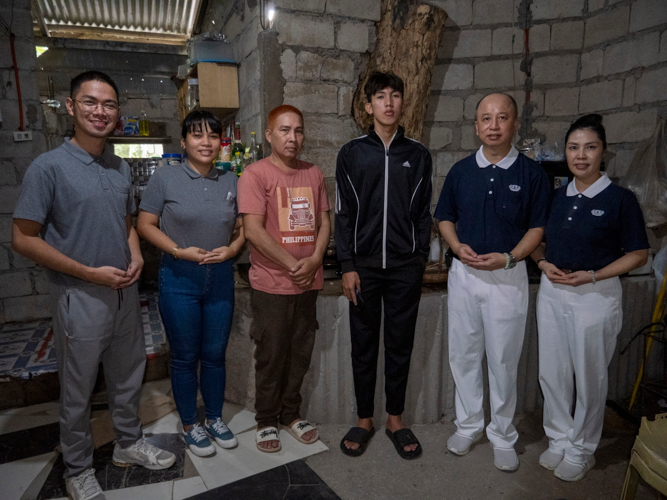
{"points": [[408, 37]]}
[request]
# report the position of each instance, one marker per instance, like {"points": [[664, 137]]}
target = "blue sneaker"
{"points": [[219, 431], [197, 441]]}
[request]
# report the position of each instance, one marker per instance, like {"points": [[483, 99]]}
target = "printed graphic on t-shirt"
{"points": [[296, 215]]}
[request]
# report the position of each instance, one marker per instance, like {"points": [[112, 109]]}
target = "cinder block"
{"points": [[9, 195], [600, 96], [247, 40], [446, 160], [312, 98], [647, 13], [507, 41], [555, 69], [305, 5], [325, 158], [438, 182], [234, 27], [308, 31], [288, 65], [7, 173], [353, 37], [169, 108], [624, 56], [553, 9], [329, 131], [629, 91], [594, 5], [607, 25], [536, 101], [539, 38], [630, 126], [651, 86], [591, 64], [619, 165], [20, 262], [437, 137], [345, 96], [5, 228], [465, 43], [494, 11], [249, 70], [662, 56], [362, 9], [470, 106], [42, 282], [338, 69], [308, 65], [15, 284], [4, 259], [444, 109], [567, 36], [249, 103], [452, 77], [562, 102], [459, 12], [553, 133], [499, 74], [27, 308], [469, 139]]}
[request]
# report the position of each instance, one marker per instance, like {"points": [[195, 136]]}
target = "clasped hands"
{"points": [[560, 277], [202, 256], [486, 262]]}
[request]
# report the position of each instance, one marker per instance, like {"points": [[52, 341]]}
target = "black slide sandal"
{"points": [[402, 438], [357, 435]]}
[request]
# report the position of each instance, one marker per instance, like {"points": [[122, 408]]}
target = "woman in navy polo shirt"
{"points": [[189, 212], [594, 234]]}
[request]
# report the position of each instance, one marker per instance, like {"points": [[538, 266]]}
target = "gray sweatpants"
{"points": [[92, 323]]}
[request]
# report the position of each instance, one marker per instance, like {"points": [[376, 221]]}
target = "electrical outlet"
{"points": [[22, 136]]}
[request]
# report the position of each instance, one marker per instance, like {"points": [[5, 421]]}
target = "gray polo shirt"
{"points": [[81, 201], [196, 211]]}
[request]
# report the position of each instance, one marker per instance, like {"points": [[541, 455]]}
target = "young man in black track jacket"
{"points": [[383, 230]]}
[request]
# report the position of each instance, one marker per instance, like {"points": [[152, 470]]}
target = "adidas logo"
{"points": [[407, 164]]}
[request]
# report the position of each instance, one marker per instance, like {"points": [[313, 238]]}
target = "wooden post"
{"points": [[408, 37]]}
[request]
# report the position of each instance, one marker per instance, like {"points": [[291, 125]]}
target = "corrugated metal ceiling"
{"points": [[142, 17]]}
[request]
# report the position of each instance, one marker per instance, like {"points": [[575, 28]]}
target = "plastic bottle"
{"points": [[238, 145], [253, 148], [238, 163], [193, 93]]}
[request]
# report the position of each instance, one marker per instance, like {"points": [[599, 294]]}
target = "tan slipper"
{"points": [[299, 428], [267, 434]]}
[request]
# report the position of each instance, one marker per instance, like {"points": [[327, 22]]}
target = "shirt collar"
{"points": [[84, 156], [593, 190], [505, 163], [213, 174]]}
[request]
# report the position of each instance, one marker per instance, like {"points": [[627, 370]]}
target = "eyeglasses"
{"points": [[90, 105]]}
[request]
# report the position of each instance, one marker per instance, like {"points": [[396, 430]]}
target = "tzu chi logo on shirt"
{"points": [[515, 188], [296, 215], [597, 213]]}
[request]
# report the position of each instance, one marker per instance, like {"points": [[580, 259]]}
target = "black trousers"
{"points": [[399, 288]]}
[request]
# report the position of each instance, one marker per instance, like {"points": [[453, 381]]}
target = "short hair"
{"points": [[281, 110], [591, 122], [512, 100], [91, 76], [195, 120], [379, 81]]}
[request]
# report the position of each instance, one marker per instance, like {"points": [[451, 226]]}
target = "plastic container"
{"points": [[130, 125], [171, 159], [226, 149]]}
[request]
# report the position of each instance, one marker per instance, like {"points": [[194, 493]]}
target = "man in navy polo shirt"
{"points": [[74, 217], [492, 211]]}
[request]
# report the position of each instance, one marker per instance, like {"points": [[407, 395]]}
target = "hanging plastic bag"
{"points": [[647, 177]]}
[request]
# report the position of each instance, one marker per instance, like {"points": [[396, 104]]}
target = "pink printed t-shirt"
{"points": [[292, 203]]}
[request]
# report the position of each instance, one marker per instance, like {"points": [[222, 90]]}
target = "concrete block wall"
{"points": [[23, 286], [604, 56]]}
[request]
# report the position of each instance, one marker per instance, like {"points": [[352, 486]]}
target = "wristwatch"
{"points": [[511, 260]]}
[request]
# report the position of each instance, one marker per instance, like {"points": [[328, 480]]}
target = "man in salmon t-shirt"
{"points": [[285, 218]]}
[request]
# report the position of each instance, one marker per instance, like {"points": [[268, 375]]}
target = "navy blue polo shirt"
{"points": [[493, 206], [590, 230]]}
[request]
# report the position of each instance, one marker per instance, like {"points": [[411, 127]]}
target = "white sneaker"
{"points": [[84, 486], [198, 442], [459, 444], [569, 471], [550, 460], [505, 459], [143, 453]]}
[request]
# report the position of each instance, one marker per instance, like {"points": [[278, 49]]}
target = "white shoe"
{"points": [[84, 486], [143, 453], [550, 460], [505, 459], [198, 442], [459, 444], [569, 471]]}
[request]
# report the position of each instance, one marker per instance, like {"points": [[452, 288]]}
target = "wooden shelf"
{"points": [[137, 139]]}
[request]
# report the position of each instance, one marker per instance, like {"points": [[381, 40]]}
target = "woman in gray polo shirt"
{"points": [[189, 212]]}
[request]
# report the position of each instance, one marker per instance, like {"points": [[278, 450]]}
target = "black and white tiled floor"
{"points": [[31, 469]]}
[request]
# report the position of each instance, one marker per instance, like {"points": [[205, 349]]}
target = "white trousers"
{"points": [[487, 314], [577, 329]]}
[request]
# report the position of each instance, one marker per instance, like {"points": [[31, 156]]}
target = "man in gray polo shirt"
{"points": [[74, 218]]}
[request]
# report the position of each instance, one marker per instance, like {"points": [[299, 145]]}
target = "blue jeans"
{"points": [[196, 305]]}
